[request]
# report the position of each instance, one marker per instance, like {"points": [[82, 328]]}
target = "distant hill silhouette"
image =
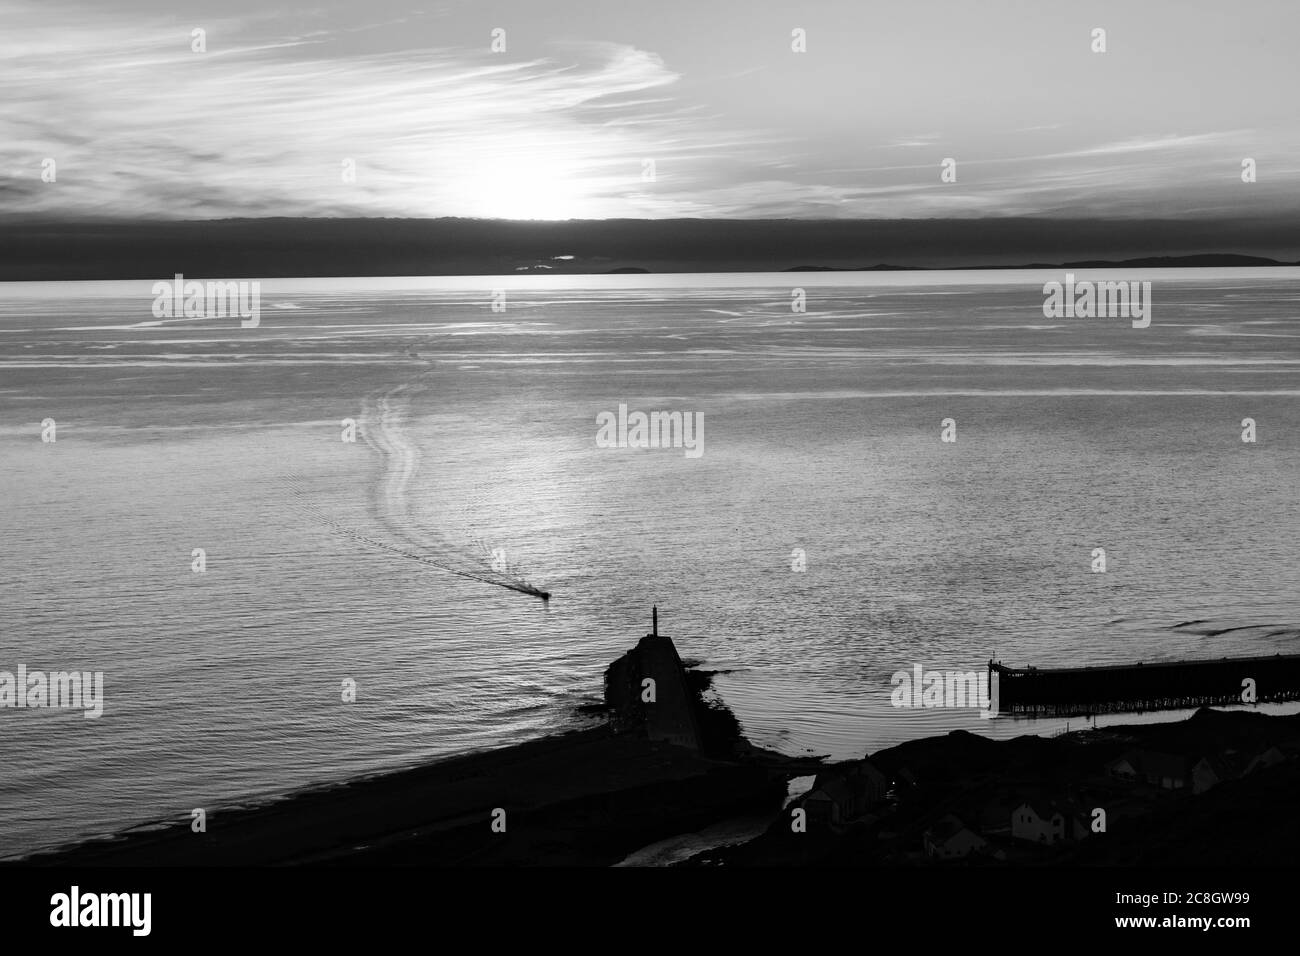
{"points": [[266, 248], [1202, 261]]}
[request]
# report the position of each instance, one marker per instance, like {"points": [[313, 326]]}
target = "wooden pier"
{"points": [[1174, 685]]}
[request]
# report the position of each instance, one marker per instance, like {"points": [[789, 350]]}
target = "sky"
{"points": [[648, 110]]}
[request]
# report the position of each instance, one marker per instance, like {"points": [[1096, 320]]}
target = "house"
{"points": [[950, 839], [1205, 773], [844, 794], [868, 780], [1048, 822], [1230, 764], [830, 803], [994, 816], [1125, 767], [1166, 771], [1268, 758], [1163, 770]]}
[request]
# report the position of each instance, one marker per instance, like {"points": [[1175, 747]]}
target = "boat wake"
{"points": [[383, 426], [298, 489]]}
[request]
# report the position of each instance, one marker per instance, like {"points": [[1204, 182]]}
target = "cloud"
{"points": [[140, 125], [267, 121]]}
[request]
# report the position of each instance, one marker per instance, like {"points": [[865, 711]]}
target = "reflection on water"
{"points": [[823, 437]]}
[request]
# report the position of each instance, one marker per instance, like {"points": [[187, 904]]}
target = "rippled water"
{"points": [[476, 435]]}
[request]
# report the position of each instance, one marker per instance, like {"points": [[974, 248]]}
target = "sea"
{"points": [[294, 549]]}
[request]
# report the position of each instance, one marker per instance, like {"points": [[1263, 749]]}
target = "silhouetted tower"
{"points": [[654, 620]]}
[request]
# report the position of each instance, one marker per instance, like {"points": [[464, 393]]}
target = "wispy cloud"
{"points": [[139, 124], [264, 121]]}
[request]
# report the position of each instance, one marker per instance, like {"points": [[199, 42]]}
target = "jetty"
{"points": [[647, 690], [1172, 685]]}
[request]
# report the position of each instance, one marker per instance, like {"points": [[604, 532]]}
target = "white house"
{"points": [[1047, 823]]}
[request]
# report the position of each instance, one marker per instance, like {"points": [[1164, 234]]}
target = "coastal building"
{"points": [[830, 803], [950, 839], [1205, 773], [1267, 758], [1166, 771], [1048, 822], [868, 778], [993, 815], [844, 794], [1125, 767]]}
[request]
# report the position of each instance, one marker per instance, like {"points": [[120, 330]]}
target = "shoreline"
{"points": [[1213, 789], [590, 796], [667, 770], [441, 813]]}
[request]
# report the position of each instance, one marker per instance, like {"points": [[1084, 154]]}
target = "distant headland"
{"points": [[271, 248]]}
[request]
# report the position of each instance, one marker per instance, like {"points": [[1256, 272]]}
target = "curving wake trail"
{"points": [[383, 426], [299, 491]]}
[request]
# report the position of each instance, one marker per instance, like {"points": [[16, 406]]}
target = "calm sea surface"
{"points": [[476, 441]]}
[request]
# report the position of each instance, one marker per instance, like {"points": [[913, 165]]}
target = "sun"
{"points": [[525, 187]]}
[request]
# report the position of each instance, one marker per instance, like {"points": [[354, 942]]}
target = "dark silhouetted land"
{"points": [[266, 248], [1217, 788]]}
